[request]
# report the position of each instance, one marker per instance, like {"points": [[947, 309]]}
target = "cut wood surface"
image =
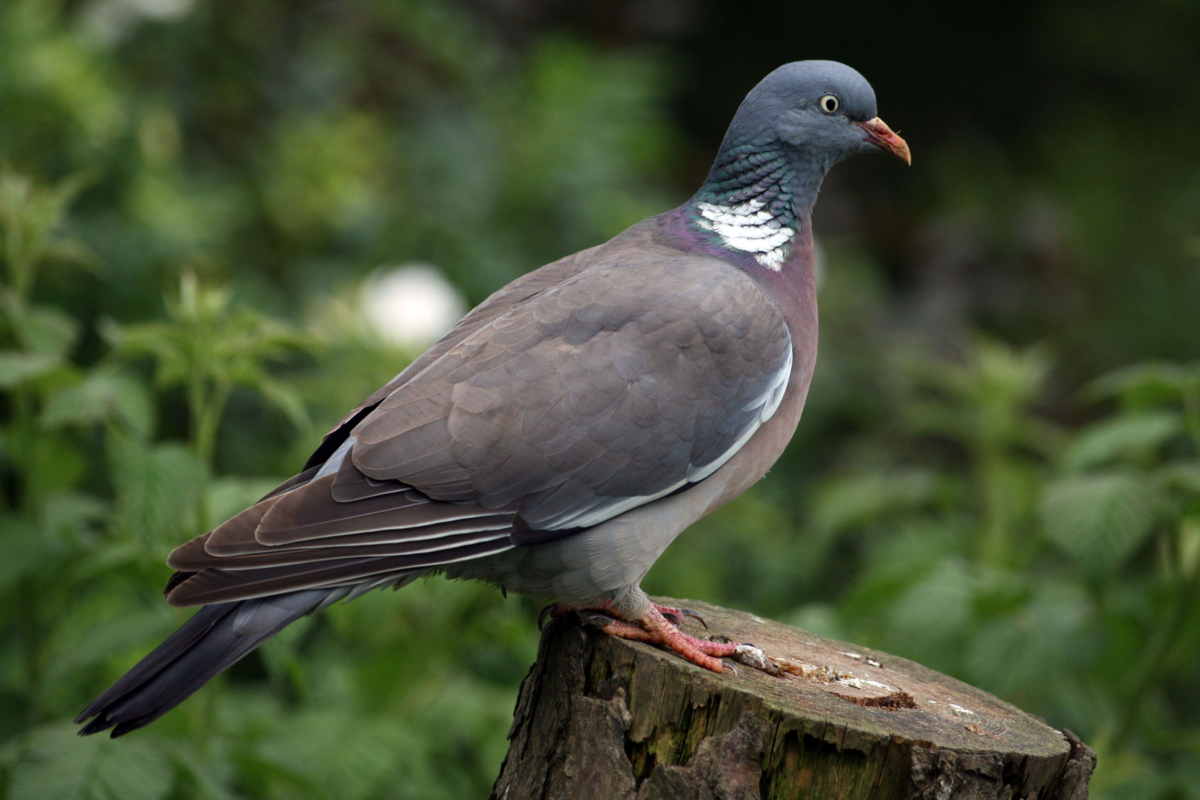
{"points": [[600, 717]]}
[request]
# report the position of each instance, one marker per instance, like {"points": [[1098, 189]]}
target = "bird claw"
{"points": [[543, 615], [676, 616], [599, 620]]}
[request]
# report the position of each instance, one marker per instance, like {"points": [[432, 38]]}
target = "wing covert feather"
{"points": [[614, 387]]}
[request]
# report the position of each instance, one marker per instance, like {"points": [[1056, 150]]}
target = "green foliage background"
{"points": [[997, 473]]}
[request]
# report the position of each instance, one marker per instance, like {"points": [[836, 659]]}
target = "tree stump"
{"points": [[600, 717]]}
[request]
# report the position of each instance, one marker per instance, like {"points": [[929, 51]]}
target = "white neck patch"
{"points": [[748, 228]]}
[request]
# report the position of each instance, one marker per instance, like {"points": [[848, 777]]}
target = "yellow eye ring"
{"points": [[830, 103]]}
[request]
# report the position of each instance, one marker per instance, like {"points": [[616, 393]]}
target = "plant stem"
{"points": [[990, 478]]}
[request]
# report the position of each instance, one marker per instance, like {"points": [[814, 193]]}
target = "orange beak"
{"points": [[886, 139]]}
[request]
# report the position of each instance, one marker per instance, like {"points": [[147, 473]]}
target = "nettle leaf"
{"points": [[56, 763], [17, 368], [1183, 475], [1152, 383], [1123, 437], [68, 251], [83, 638], [1043, 636], [212, 772], [341, 755], [858, 500], [47, 330], [209, 343], [936, 607], [102, 396], [1101, 519], [156, 489], [31, 217], [168, 346], [70, 513]]}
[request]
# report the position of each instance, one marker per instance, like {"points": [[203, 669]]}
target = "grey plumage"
{"points": [[567, 430], [609, 387], [216, 637]]}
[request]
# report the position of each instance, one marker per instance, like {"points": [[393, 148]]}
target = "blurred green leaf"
{"points": [[47, 330], [208, 347], [70, 513], [1100, 519], [935, 607], [1034, 648], [858, 500], [101, 396], [212, 772], [343, 755], [1183, 475], [1126, 436], [157, 487], [17, 368], [58, 764], [1147, 384], [80, 641], [30, 220]]}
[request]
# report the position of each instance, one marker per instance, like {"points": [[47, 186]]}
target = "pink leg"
{"points": [[655, 628]]}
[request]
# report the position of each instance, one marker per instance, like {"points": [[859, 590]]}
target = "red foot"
{"points": [[655, 627]]}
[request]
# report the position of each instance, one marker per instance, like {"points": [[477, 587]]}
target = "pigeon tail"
{"points": [[216, 637]]}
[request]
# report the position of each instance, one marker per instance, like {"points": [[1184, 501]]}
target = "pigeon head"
{"points": [[822, 110], [789, 131]]}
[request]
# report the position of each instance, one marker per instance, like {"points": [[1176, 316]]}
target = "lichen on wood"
{"points": [[600, 717]]}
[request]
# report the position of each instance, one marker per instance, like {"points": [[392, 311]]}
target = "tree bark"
{"points": [[600, 717]]}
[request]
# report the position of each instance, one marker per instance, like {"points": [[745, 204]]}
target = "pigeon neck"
{"points": [[755, 200]]}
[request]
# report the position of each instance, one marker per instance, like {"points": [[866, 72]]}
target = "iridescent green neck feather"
{"points": [[755, 199]]}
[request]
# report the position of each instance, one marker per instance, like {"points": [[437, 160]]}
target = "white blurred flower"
{"points": [[410, 305]]}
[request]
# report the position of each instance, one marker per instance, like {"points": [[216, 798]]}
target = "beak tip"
{"points": [[887, 140]]}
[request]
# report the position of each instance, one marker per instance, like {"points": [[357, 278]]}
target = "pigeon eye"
{"points": [[830, 103]]}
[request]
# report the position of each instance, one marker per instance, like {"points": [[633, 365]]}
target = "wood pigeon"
{"points": [[566, 430]]}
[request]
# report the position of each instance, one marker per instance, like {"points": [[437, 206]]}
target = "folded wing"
{"points": [[605, 391]]}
